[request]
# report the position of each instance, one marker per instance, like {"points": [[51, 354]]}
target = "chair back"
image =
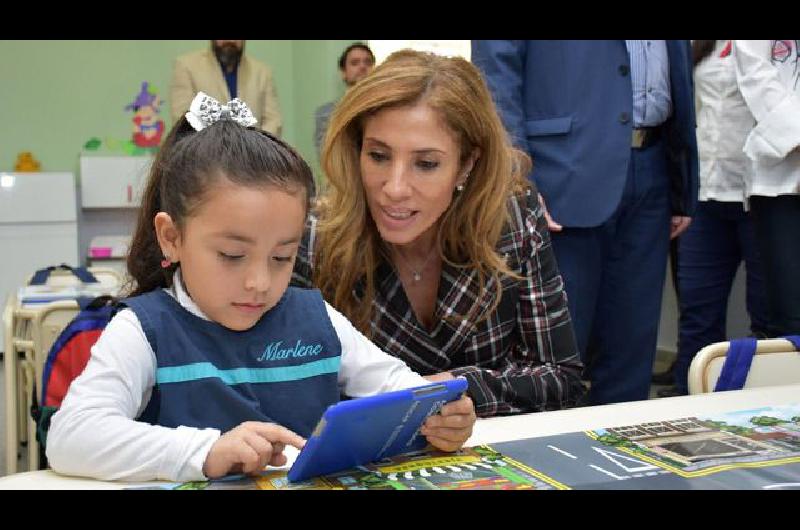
{"points": [[774, 362], [64, 276], [35, 327]]}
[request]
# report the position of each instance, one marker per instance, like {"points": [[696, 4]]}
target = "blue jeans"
{"points": [[720, 237]]}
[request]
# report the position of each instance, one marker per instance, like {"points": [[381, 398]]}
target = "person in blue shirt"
{"points": [[215, 365]]}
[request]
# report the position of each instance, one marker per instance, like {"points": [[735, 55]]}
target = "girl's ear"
{"points": [[168, 235]]}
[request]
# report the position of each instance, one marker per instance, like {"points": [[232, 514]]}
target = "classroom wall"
{"points": [[56, 95], [316, 81]]}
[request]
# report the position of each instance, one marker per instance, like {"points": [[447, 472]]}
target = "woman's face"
{"points": [[409, 167]]}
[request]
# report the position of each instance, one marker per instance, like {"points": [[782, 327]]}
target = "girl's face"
{"points": [[409, 167], [237, 251]]}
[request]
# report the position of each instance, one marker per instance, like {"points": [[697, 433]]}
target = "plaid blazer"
{"points": [[522, 358]]}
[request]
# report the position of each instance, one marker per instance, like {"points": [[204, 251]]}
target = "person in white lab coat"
{"points": [[768, 74]]}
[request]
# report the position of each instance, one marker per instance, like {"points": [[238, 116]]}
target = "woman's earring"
{"points": [[460, 187], [166, 262]]}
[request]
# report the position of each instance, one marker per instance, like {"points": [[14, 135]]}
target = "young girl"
{"points": [[215, 365]]}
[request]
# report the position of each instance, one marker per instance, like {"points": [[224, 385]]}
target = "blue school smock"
{"points": [[283, 370]]}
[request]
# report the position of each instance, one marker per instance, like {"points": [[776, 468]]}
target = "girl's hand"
{"points": [[449, 429], [249, 448]]}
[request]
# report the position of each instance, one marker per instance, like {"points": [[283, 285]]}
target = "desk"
{"points": [[508, 428]]}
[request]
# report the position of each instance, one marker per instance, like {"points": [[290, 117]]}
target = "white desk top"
{"points": [[506, 428]]}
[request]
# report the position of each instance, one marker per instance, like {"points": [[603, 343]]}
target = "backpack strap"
{"points": [[737, 364], [82, 273], [94, 303], [40, 276]]}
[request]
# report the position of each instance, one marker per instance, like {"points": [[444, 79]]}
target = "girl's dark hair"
{"points": [[701, 49], [186, 166]]}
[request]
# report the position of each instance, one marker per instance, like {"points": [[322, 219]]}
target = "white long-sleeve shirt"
{"points": [[94, 433], [723, 123], [768, 73]]}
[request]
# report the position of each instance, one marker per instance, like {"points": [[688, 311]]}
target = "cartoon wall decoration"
{"points": [[148, 126], [93, 144]]}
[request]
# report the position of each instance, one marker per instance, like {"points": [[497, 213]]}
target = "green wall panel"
{"points": [[55, 95]]}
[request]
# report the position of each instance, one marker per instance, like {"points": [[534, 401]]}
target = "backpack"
{"points": [[66, 360]]}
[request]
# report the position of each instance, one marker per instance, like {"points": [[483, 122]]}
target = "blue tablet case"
{"points": [[364, 430]]}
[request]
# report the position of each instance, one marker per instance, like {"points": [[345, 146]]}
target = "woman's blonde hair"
{"points": [[349, 248]]}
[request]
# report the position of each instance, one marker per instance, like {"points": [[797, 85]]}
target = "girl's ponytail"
{"points": [[144, 255]]}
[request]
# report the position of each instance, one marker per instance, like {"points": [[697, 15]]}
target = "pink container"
{"points": [[100, 252]]}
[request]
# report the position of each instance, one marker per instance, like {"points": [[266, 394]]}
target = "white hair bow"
{"points": [[206, 110]]}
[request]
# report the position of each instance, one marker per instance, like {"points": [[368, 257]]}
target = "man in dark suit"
{"points": [[610, 128]]}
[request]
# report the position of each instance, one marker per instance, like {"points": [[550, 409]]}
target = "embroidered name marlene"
{"points": [[274, 352]]}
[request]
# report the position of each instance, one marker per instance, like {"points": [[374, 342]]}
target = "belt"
{"points": [[644, 137]]}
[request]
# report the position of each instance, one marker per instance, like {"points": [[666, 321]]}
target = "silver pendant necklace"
{"points": [[416, 274]]}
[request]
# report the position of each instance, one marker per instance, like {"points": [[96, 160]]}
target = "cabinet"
{"points": [[113, 181], [38, 226]]}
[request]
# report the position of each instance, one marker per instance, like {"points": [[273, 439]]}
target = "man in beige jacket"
{"points": [[224, 72]]}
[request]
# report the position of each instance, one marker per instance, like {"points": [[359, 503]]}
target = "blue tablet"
{"points": [[364, 430]]}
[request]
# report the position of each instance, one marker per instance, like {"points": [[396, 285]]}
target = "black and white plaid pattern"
{"points": [[523, 358]]}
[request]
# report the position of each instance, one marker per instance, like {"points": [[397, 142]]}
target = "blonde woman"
{"points": [[431, 240]]}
